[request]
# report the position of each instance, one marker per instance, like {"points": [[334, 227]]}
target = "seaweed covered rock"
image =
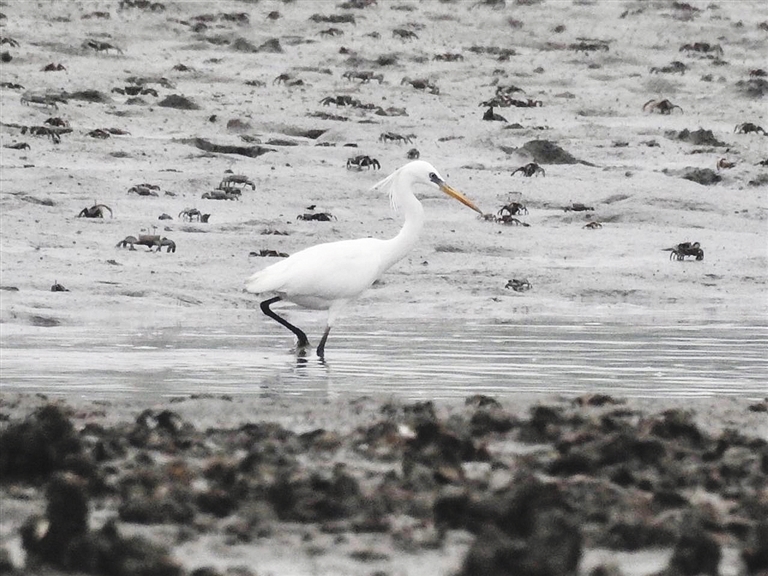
{"points": [[315, 497], [527, 531], [66, 519], [179, 102], [703, 176], [62, 539], [45, 442], [698, 137], [696, 552], [755, 552], [753, 87], [545, 152], [147, 499]]}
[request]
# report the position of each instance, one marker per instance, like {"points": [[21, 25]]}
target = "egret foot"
{"points": [[303, 340]]}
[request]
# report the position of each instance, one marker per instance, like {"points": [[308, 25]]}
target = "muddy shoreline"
{"points": [[226, 483]]}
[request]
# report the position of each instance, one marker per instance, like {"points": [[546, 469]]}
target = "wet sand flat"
{"points": [[621, 421]]}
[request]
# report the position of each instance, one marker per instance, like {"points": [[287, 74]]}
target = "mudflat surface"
{"points": [[342, 482]]}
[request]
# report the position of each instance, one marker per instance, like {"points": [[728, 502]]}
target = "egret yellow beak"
{"points": [[453, 193]]}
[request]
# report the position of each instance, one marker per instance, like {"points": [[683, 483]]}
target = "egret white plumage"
{"points": [[328, 276]]}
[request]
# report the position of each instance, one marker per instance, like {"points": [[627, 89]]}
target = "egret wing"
{"points": [[328, 271]]}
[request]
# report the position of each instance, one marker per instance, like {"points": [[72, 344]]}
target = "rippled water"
{"points": [[410, 360]]}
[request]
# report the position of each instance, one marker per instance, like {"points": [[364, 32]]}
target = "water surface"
{"points": [[412, 360]]}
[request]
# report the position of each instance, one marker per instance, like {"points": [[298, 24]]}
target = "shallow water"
{"points": [[411, 360]]}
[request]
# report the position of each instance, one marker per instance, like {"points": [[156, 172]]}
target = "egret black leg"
{"points": [[303, 341], [321, 347]]}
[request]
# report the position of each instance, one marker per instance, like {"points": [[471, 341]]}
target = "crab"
{"points": [[99, 133], [53, 67], [586, 45], [149, 240], [703, 47], [10, 41], [58, 287], [421, 84], [530, 169], [749, 127], [491, 116], [724, 164], [57, 122], [142, 5], [100, 46], [364, 76], [662, 106], [96, 14], [501, 100], [341, 100], [592, 225], [392, 137], [527, 103], [317, 217], [684, 249], [95, 211], [232, 180], [404, 34], [267, 253], [221, 195], [43, 131], [448, 57], [332, 32], [675, 67], [28, 98], [513, 209], [333, 18], [288, 80], [135, 91], [144, 190], [362, 161], [143, 80], [190, 214], [391, 111], [413, 154], [519, 284], [11, 86]]}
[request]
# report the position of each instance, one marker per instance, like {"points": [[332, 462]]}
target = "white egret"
{"points": [[328, 276]]}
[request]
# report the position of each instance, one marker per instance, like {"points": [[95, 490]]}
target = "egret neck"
{"points": [[397, 247]]}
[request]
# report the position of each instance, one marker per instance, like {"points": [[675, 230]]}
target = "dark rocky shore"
{"points": [[86, 487]]}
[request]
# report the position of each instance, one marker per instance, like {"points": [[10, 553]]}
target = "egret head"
{"points": [[421, 172]]}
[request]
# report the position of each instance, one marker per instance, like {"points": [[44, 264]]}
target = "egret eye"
{"points": [[433, 176]]}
